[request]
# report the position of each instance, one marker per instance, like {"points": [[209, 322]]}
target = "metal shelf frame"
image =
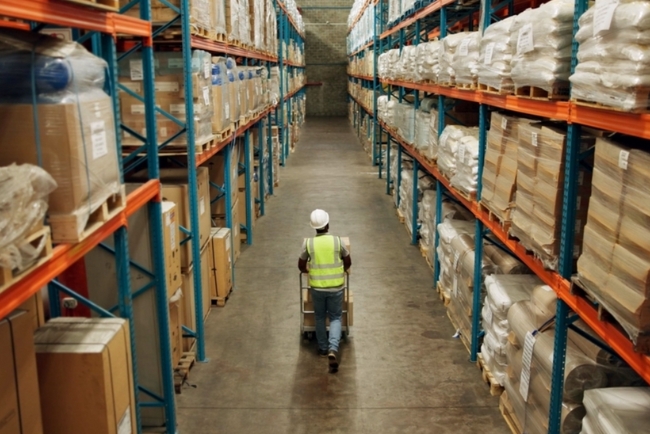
{"points": [[102, 28], [436, 18]]}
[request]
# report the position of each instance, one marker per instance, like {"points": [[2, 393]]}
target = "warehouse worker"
{"points": [[328, 261]]}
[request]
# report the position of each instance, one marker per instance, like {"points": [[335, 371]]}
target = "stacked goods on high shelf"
{"points": [[412, 64], [293, 53], [537, 216], [24, 241], [458, 59], [458, 157], [294, 13], [298, 108], [405, 207], [362, 65], [494, 70], [248, 23], [623, 410], [363, 31], [295, 79], [500, 166], [398, 8], [613, 63], [529, 356], [277, 152], [614, 264], [71, 134]]}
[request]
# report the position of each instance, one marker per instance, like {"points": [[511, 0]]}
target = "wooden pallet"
{"points": [[505, 224], [39, 239], [462, 337], [425, 255], [223, 135], [441, 293], [495, 388], [489, 89], [471, 197], [107, 5], [400, 216], [199, 148], [70, 228], [646, 109], [221, 301], [466, 86], [557, 93], [509, 415], [220, 37], [182, 371], [447, 84]]}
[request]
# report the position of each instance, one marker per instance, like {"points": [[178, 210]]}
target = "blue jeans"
{"points": [[330, 304]]}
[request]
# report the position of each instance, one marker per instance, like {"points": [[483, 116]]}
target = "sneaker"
{"points": [[322, 353], [332, 357]]}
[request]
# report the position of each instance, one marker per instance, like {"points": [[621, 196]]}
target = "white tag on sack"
{"points": [[136, 70], [202, 206], [98, 139], [489, 52], [525, 39], [534, 139], [526, 360], [206, 95], [603, 15], [226, 108], [504, 123], [207, 69], [461, 154], [463, 50], [623, 158]]}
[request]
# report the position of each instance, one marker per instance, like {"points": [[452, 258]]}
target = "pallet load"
{"points": [[465, 61], [614, 265], [221, 266], [541, 42], [613, 65], [222, 115], [405, 208], [622, 410], [537, 218], [450, 45], [452, 139], [528, 382], [494, 63], [71, 135], [428, 65]]}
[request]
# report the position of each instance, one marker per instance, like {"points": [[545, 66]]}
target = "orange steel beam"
{"points": [[607, 331], [65, 255], [223, 47], [364, 77], [368, 45], [284, 8], [361, 104], [73, 15], [611, 120], [433, 7], [14, 25]]}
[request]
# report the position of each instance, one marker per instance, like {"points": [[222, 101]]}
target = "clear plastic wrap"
{"points": [[221, 96], [450, 45], [450, 140], [233, 21], [540, 40], [219, 13], [536, 219], [428, 58], [496, 55], [405, 121], [620, 410], [500, 167], [202, 18], [466, 176], [406, 67], [422, 121], [614, 265], [614, 63], [24, 191], [245, 22], [465, 59], [75, 138]]}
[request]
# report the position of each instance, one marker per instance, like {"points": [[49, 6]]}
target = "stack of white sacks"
{"points": [[465, 177], [494, 68], [428, 62], [541, 41], [422, 125], [614, 55], [450, 45], [428, 223], [465, 59], [620, 410], [425, 182], [450, 141], [405, 121]]}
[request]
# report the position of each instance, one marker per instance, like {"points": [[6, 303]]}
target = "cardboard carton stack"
{"points": [[537, 218], [614, 265], [221, 265]]}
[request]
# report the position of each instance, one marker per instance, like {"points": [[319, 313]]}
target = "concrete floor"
{"points": [[401, 371]]}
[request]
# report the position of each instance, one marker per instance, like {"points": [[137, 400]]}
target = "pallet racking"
{"points": [[435, 18]]}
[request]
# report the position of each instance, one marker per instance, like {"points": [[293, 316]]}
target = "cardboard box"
{"points": [[70, 148], [171, 241], [221, 116], [221, 267], [175, 189], [346, 320], [189, 312], [75, 353], [33, 307], [175, 326], [20, 408]]}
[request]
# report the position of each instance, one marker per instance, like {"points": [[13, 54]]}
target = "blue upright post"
{"points": [[559, 359], [55, 300], [249, 193], [388, 174], [260, 176], [192, 182], [478, 284], [376, 144], [156, 229], [229, 203], [436, 242], [399, 172], [380, 140], [414, 208], [269, 144], [125, 303]]}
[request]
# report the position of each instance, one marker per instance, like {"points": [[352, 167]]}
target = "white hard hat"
{"points": [[319, 219]]}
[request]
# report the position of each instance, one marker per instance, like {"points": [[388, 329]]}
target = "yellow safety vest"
{"points": [[326, 266]]}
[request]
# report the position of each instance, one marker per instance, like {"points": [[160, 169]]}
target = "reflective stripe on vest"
{"points": [[325, 266]]}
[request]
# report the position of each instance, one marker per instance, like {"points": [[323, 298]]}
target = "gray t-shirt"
{"points": [[304, 255]]}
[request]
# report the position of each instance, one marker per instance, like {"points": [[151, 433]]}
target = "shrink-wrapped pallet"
{"points": [[233, 21], [620, 410], [500, 167], [425, 183], [465, 59], [450, 45], [219, 14], [496, 55], [422, 121], [432, 150], [614, 55], [614, 265], [407, 65], [405, 121], [536, 220], [465, 177], [55, 114], [451, 139], [541, 43], [428, 62]]}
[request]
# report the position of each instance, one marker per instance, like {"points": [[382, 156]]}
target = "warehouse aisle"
{"points": [[401, 372]]}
